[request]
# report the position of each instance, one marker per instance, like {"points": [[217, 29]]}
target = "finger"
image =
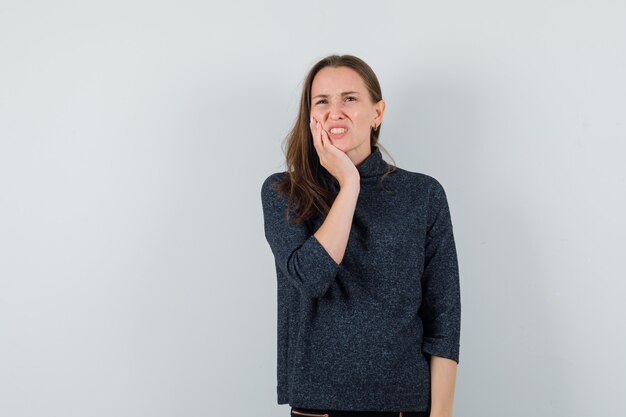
{"points": [[312, 126], [323, 137], [319, 130], [317, 137]]}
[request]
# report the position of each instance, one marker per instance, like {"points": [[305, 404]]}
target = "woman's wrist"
{"points": [[353, 184]]}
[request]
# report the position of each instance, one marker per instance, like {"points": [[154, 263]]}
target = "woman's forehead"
{"points": [[338, 80]]}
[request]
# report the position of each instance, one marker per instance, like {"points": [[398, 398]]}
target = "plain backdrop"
{"points": [[135, 278]]}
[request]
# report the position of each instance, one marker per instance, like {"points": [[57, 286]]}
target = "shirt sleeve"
{"points": [[441, 300], [297, 252]]}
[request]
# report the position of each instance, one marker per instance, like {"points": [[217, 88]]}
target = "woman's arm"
{"points": [[441, 305], [442, 381], [311, 261], [333, 234], [298, 254]]}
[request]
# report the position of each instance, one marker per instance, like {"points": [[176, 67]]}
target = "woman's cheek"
{"points": [[317, 117]]}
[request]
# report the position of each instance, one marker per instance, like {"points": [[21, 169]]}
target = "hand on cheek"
{"points": [[336, 162]]}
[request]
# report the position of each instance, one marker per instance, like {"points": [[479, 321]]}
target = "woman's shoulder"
{"points": [[271, 179], [268, 187], [420, 180]]}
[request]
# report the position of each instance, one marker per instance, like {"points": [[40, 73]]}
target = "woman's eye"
{"points": [[321, 101]]}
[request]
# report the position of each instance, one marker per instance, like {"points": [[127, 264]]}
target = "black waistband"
{"points": [[315, 412]]}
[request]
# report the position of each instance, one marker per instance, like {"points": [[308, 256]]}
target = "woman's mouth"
{"points": [[337, 132]]}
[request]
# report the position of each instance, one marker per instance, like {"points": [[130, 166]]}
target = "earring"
{"points": [[375, 127]]}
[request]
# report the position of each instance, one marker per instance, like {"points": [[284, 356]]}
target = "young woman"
{"points": [[369, 306]]}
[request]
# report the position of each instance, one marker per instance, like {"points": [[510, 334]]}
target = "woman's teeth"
{"points": [[337, 131]]}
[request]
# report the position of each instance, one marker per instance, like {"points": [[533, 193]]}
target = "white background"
{"points": [[135, 279]]}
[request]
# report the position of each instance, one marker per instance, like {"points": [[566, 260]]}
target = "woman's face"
{"points": [[340, 100]]}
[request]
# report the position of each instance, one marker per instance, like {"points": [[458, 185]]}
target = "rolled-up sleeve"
{"points": [[441, 298], [297, 252]]}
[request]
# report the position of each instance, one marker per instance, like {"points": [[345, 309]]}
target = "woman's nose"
{"points": [[335, 111]]}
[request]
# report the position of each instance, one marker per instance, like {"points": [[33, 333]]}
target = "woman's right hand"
{"points": [[332, 158]]}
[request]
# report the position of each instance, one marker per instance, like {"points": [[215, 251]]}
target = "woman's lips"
{"points": [[337, 135]]}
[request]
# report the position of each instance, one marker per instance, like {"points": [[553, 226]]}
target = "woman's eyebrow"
{"points": [[343, 94]]}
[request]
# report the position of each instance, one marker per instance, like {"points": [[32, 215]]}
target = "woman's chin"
{"points": [[340, 144]]}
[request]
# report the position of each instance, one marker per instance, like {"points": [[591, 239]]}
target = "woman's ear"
{"points": [[380, 110]]}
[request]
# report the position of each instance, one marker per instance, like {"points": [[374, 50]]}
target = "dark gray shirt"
{"points": [[358, 335]]}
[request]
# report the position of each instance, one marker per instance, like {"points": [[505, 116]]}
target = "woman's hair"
{"points": [[310, 188]]}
